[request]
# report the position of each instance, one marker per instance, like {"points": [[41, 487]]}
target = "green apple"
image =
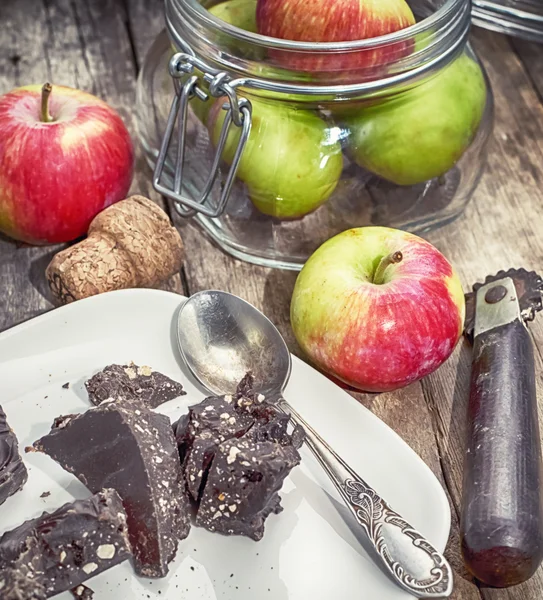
{"points": [[422, 132], [240, 13], [291, 164], [201, 108]]}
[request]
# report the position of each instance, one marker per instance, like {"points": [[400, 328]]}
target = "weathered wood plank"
{"points": [[94, 44], [531, 55], [499, 230], [79, 44], [24, 59], [145, 21]]}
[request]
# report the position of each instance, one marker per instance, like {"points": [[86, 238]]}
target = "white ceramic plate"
{"points": [[308, 551]]}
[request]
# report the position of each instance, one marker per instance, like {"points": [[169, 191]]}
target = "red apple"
{"points": [[335, 21], [65, 155], [377, 308]]}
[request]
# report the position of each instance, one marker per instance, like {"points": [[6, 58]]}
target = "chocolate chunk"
{"points": [[197, 463], [270, 422], [246, 387], [13, 473], [131, 382], [236, 497], [45, 495], [82, 592], [17, 585], [271, 425], [66, 385], [199, 433], [242, 485], [129, 447], [59, 551], [222, 416]]}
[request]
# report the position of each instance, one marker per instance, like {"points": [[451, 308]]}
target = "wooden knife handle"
{"points": [[502, 510]]}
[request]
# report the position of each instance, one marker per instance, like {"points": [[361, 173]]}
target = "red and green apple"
{"points": [[377, 308], [65, 155], [335, 21]]}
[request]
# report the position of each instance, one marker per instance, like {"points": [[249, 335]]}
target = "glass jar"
{"points": [[520, 18], [274, 146]]}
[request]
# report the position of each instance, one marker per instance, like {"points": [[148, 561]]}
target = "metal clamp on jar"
{"points": [[274, 146]]}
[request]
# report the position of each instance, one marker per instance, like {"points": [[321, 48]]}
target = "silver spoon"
{"points": [[221, 337]]}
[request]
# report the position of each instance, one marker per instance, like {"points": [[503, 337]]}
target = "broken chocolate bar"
{"points": [[17, 585], [246, 423], [127, 446], [198, 435], [242, 485], [59, 551], [131, 382], [13, 473], [82, 592]]}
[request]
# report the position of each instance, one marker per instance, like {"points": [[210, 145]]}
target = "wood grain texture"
{"points": [[79, 44], [530, 55], [25, 58], [100, 45], [499, 230]]}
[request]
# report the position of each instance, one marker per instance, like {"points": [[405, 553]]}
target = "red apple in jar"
{"points": [[65, 155], [336, 21], [377, 308]]}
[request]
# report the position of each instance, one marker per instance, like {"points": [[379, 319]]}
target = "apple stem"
{"points": [[45, 93], [390, 259]]}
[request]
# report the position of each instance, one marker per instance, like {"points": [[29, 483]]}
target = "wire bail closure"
{"points": [[238, 112]]}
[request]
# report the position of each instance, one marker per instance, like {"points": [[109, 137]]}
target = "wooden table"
{"points": [[100, 45]]}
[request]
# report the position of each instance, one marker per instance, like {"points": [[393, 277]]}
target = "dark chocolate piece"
{"points": [[198, 435], [127, 446], [13, 473], [82, 592], [131, 382], [242, 485], [270, 422], [245, 387], [236, 499], [58, 551], [18, 585]]}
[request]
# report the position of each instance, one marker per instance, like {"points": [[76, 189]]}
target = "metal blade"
{"points": [[529, 288]]}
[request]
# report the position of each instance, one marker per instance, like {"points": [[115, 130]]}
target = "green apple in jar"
{"points": [[292, 160], [240, 13], [201, 108], [422, 132]]}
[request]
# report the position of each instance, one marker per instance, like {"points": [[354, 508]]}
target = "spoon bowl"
{"points": [[222, 337]]}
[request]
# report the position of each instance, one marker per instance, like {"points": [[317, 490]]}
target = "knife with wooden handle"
{"points": [[502, 504]]}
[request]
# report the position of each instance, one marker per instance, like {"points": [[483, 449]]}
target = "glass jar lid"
{"points": [[519, 18], [259, 62]]}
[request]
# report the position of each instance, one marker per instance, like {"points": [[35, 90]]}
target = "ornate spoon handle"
{"points": [[412, 561]]}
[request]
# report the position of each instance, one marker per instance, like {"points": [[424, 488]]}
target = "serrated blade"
{"points": [[529, 288]]}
